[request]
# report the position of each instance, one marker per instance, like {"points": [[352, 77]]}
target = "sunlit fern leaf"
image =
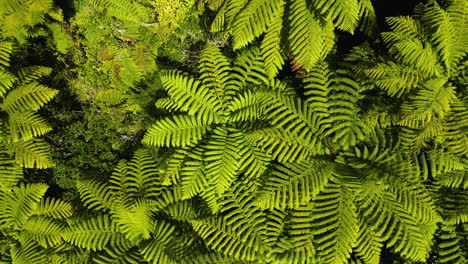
{"points": [[155, 250], [417, 201], [294, 184], [142, 176], [317, 87], [449, 246], [368, 245], [394, 225], [215, 71], [455, 128], [222, 158], [307, 36], [193, 179], [167, 104], [46, 231], [408, 49], [6, 49], [281, 145], [184, 210], [346, 127], [245, 107], [344, 13], [10, 172], [191, 95], [394, 79], [54, 208], [275, 226], [432, 100], [28, 252], [368, 18], [25, 126], [7, 81], [95, 195], [32, 73], [19, 204], [447, 32], [94, 233], [32, 153], [248, 67], [271, 44], [111, 97], [117, 179], [454, 179], [29, 97], [125, 10], [295, 245], [134, 220], [335, 223], [292, 115], [238, 232], [253, 20], [110, 255], [253, 162], [177, 131]]}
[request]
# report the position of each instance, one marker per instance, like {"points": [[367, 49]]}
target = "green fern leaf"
{"points": [[54, 208], [29, 97], [335, 223]]}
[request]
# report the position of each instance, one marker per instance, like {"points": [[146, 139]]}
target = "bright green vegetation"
{"points": [[233, 131]]}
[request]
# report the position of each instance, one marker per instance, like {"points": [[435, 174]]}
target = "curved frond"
{"points": [[191, 95], [253, 20], [176, 131], [28, 97], [95, 195], [94, 233], [54, 208], [32, 153], [20, 204], [335, 224]]}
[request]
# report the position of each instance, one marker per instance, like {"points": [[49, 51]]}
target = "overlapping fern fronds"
{"points": [[302, 28]]}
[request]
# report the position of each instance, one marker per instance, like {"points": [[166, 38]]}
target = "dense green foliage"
{"points": [[233, 131]]}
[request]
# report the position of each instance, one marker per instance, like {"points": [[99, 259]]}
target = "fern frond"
{"points": [[294, 184], [447, 32], [449, 247], [25, 126], [10, 173], [32, 153], [142, 176], [28, 252], [344, 13], [19, 204], [215, 71], [193, 96], [178, 131], [155, 250], [123, 10], [33, 73], [7, 80], [245, 107], [308, 36], [282, 146], [271, 44], [134, 220], [111, 97], [222, 158], [94, 233], [432, 100], [253, 20], [54, 208], [95, 195], [28, 97], [335, 223], [368, 245], [6, 49], [47, 232]]}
